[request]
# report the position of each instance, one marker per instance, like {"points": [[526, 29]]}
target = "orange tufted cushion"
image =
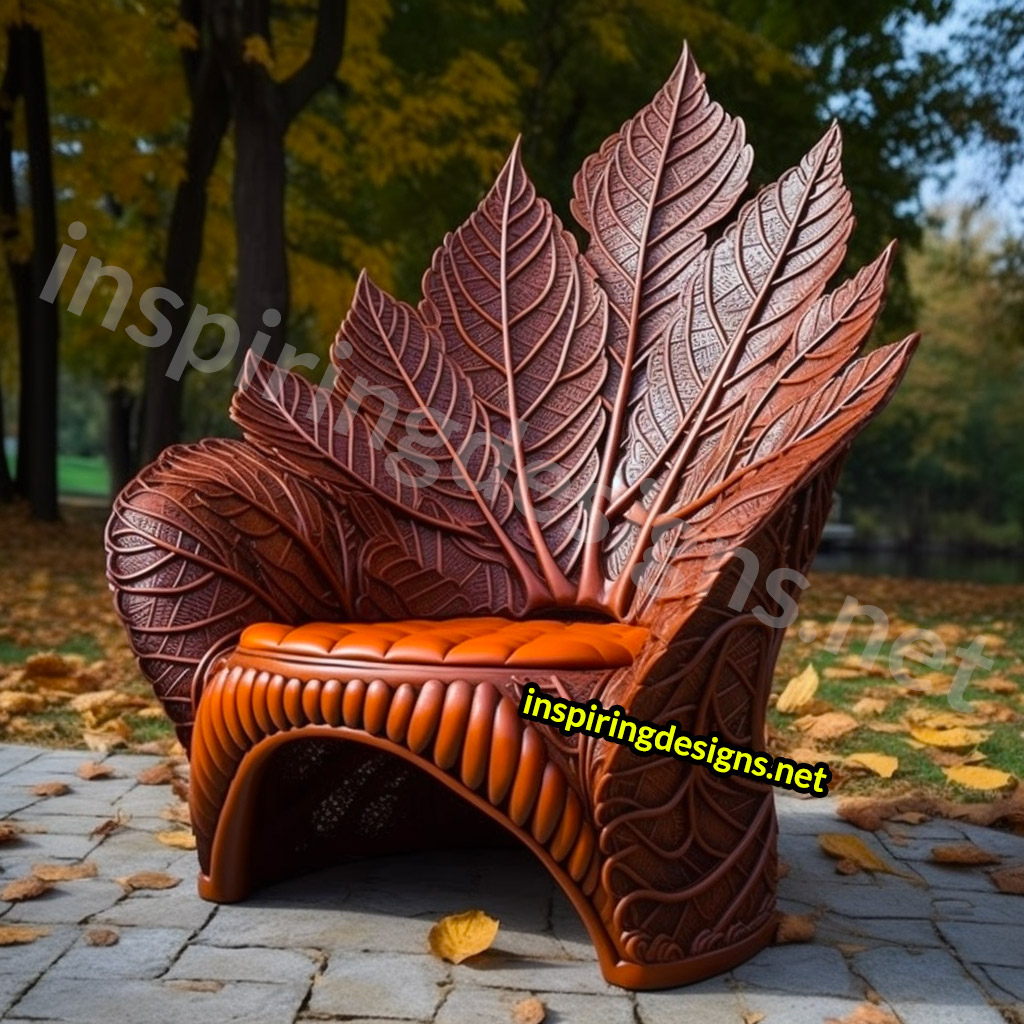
{"points": [[483, 642]]}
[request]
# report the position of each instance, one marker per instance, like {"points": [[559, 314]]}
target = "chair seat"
{"points": [[479, 642]]}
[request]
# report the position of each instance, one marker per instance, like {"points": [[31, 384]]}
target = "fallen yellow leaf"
{"points": [[852, 848], [884, 765], [799, 692], [459, 936], [974, 776], [869, 706], [177, 838], [953, 739]]}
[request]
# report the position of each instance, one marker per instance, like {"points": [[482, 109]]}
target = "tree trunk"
{"points": [[120, 460], [259, 185], [41, 397], [162, 399], [10, 234]]}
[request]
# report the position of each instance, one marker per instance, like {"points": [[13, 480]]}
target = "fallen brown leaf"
{"points": [[9, 833], [996, 685], [866, 1013], [147, 880], [179, 787], [101, 937], [794, 928], [110, 826], [178, 812], [752, 1017], [910, 818], [159, 775], [847, 867], [27, 888], [459, 936], [48, 663], [529, 1011], [51, 789], [963, 853], [869, 706], [90, 770], [20, 934], [782, 870], [829, 726], [1009, 880], [64, 872]]}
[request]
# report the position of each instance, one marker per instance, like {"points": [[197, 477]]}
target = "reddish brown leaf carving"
{"points": [[646, 198], [350, 448], [520, 312], [735, 318]]}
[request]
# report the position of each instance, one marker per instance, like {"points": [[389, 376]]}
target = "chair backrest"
{"points": [[550, 429]]}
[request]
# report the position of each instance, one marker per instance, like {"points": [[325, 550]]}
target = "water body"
{"points": [[926, 565]]}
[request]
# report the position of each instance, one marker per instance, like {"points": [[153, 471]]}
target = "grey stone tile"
{"points": [[13, 755], [314, 928], [32, 958], [569, 930], [401, 985], [180, 907], [996, 944], [140, 953], [909, 932], [887, 897], [925, 987], [494, 1006], [156, 1002], [709, 1002], [800, 969], [1006, 844], [940, 877], [244, 963], [992, 907], [1009, 981], [495, 969], [37, 846], [68, 903], [793, 1009]]}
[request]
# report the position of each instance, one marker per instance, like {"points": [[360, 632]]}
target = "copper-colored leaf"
{"points": [[910, 818], [847, 867], [1009, 880], [24, 889], [157, 775], [865, 1013], [869, 706], [110, 826], [89, 770], [101, 937], [64, 872], [20, 934], [147, 880], [799, 692], [963, 853], [459, 936], [48, 663], [794, 928], [529, 1011], [51, 789], [9, 832], [177, 838], [178, 812], [978, 777], [829, 726]]}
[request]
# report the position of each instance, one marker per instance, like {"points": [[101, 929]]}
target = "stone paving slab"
{"points": [[349, 944]]}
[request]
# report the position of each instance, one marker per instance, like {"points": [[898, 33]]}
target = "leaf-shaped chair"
{"points": [[597, 472]]}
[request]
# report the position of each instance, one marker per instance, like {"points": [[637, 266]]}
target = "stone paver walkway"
{"points": [[350, 944]]}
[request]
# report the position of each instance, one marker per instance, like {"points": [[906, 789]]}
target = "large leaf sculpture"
{"points": [[555, 429]]}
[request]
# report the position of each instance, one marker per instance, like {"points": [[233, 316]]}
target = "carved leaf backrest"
{"points": [[550, 429]]}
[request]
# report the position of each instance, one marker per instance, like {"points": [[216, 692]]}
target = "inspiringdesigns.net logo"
{"points": [[645, 738]]}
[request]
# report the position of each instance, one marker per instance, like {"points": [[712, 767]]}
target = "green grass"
{"points": [[80, 474], [15, 654]]}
